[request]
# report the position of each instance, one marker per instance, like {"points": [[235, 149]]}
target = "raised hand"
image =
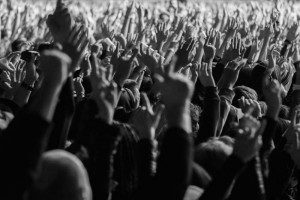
{"points": [[55, 67], [79, 89], [161, 32], [31, 73], [176, 91], [255, 49], [267, 32], [248, 139], [209, 50], [194, 69], [235, 51], [272, 94], [76, 45], [232, 28], [105, 93], [292, 136], [272, 57], [131, 42], [184, 54], [248, 104], [205, 75], [146, 119], [96, 49], [293, 32], [121, 39], [85, 66], [60, 23], [140, 12], [107, 31], [175, 88], [296, 55], [148, 58], [230, 74], [122, 66]]}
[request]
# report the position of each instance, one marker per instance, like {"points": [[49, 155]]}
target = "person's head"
{"points": [[243, 91], [5, 33], [211, 155], [61, 176], [195, 112], [18, 45]]}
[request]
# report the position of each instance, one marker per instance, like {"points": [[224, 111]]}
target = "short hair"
{"points": [[245, 91], [211, 155], [17, 45], [61, 176]]}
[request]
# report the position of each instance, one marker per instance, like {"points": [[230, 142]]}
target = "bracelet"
{"points": [[27, 87]]}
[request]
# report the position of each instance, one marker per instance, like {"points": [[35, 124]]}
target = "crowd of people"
{"points": [[170, 100]]}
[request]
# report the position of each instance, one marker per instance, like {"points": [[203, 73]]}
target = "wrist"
{"points": [[106, 119], [179, 116], [272, 113], [26, 86], [29, 82], [51, 85], [147, 134]]}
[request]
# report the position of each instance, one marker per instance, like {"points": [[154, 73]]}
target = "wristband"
{"points": [[27, 87]]}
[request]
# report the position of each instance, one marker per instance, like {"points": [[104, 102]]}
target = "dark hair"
{"points": [[17, 45], [245, 91]]}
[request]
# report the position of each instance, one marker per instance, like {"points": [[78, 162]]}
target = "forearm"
{"points": [[226, 97], [171, 182], [210, 116], [221, 51], [179, 116], [21, 146], [159, 46], [103, 146], [169, 55], [145, 167], [22, 96], [46, 100], [264, 50], [125, 27], [285, 47], [220, 185]]}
